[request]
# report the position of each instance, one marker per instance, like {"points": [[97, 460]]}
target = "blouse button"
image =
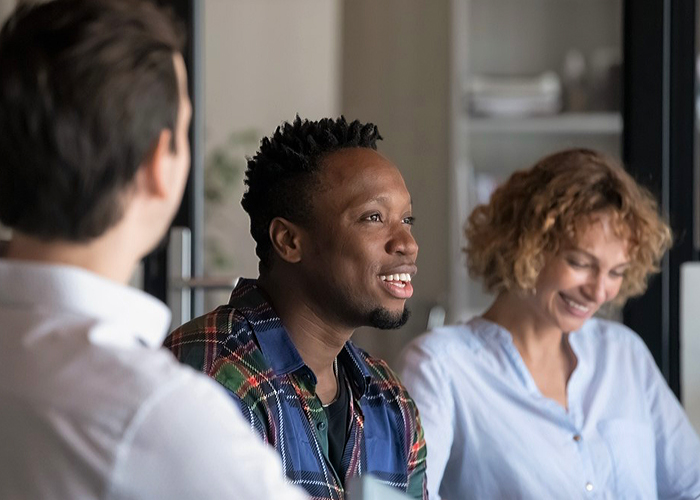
{"points": [[578, 438], [589, 487]]}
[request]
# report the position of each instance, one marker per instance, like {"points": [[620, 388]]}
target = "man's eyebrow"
{"points": [[384, 198]]}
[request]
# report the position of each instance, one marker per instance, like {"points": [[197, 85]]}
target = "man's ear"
{"points": [[155, 168], [286, 239]]}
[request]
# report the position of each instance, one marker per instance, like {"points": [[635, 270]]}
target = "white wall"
{"points": [[6, 7], [266, 60], [690, 341]]}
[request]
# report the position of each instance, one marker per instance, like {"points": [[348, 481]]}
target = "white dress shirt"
{"points": [[92, 408], [491, 433]]}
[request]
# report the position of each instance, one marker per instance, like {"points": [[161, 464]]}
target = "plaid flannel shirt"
{"points": [[244, 346]]}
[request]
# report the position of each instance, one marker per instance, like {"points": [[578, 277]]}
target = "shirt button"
{"points": [[321, 426], [577, 438], [589, 487]]}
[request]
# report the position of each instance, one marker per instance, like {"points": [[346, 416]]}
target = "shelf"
{"points": [[565, 123]]}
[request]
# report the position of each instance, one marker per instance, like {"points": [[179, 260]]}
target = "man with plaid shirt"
{"points": [[331, 218]]}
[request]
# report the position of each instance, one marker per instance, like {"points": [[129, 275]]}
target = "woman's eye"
{"points": [[374, 218], [577, 264], [409, 220]]}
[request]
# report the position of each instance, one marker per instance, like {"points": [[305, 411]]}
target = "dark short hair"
{"points": [[283, 173], [86, 87]]}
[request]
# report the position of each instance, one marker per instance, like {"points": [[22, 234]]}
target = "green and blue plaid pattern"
{"points": [[244, 346]]}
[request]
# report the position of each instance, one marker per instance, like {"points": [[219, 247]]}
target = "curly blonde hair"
{"points": [[535, 211]]}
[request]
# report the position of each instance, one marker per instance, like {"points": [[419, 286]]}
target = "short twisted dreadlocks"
{"points": [[282, 175]]}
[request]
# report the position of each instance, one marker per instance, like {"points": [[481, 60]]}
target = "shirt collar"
{"points": [[275, 343], [355, 367], [68, 289], [488, 329]]}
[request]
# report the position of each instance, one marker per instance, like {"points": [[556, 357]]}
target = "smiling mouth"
{"points": [[576, 306], [398, 285], [396, 279]]}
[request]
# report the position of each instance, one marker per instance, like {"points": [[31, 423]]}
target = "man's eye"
{"points": [[409, 220]]}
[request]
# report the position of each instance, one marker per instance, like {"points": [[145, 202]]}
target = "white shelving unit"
{"points": [[521, 38], [598, 123]]}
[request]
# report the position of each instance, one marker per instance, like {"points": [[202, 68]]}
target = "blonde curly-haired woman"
{"points": [[536, 398]]}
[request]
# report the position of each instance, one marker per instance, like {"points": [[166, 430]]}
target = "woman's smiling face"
{"points": [[582, 276]]}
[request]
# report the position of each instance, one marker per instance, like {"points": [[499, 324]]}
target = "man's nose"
{"points": [[402, 242]]}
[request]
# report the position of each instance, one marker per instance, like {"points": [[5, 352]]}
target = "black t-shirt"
{"points": [[338, 414]]}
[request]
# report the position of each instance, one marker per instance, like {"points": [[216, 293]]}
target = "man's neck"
{"points": [[318, 340], [107, 256]]}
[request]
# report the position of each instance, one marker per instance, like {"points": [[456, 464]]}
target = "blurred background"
{"points": [[464, 92]]}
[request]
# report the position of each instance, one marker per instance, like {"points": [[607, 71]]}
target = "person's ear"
{"points": [[286, 239], [156, 168]]}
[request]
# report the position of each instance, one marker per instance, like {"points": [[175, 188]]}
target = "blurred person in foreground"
{"points": [[94, 157], [331, 218], [536, 398]]}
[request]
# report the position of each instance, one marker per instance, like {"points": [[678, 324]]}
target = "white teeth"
{"points": [[575, 305], [396, 277]]}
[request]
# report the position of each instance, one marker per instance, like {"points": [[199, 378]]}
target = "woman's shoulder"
{"points": [[612, 335], [468, 336]]}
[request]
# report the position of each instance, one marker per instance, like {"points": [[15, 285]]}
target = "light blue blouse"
{"points": [[492, 434]]}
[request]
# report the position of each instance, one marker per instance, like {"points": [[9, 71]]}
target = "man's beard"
{"points": [[356, 311], [386, 320]]}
